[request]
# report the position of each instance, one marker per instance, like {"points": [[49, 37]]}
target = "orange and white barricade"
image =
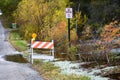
{"points": [[42, 45]]}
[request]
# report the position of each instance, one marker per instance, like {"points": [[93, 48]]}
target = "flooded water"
{"points": [[16, 58]]}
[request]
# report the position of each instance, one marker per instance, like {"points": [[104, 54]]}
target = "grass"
{"points": [[17, 42], [51, 72]]}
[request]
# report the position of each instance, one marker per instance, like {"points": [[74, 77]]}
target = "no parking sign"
{"points": [[69, 13]]}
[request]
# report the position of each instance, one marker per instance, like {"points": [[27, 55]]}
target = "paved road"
{"points": [[5, 47], [12, 70]]}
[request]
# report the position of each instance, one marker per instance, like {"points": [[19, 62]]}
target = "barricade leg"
{"points": [[53, 49], [32, 56], [53, 53]]}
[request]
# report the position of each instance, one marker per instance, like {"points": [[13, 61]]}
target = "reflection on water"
{"points": [[16, 58]]}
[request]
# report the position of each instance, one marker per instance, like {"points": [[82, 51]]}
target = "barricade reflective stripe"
{"points": [[42, 45]]}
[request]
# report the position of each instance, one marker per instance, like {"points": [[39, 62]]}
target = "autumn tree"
{"points": [[108, 38], [8, 7], [42, 14], [99, 50], [98, 12], [47, 19], [78, 23]]}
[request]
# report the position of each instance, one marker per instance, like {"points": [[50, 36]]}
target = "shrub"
{"points": [[27, 30], [72, 51]]}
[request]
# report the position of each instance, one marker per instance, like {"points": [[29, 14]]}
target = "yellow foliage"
{"points": [[73, 35], [60, 31], [87, 33]]}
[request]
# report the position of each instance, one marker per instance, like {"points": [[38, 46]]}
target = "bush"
{"points": [[60, 37], [72, 51], [27, 30]]}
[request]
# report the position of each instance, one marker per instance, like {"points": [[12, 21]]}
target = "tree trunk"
{"points": [[108, 61]]}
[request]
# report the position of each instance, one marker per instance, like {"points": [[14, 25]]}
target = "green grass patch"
{"points": [[51, 72], [14, 35], [17, 42]]}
